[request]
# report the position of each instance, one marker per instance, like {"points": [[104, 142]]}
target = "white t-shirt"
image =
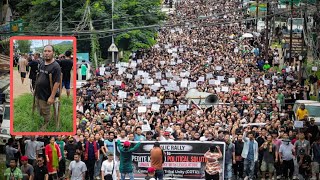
{"points": [[77, 169], [107, 167]]}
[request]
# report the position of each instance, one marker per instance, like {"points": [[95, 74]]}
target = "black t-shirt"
{"points": [[43, 89], [101, 144], [40, 172], [66, 66], [71, 149], [33, 69]]}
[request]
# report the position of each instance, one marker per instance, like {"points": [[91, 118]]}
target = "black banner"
{"points": [[184, 159]]}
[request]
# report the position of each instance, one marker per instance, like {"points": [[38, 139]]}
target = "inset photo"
{"points": [[43, 85]]}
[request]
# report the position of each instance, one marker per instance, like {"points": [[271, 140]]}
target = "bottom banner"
{"points": [[183, 159]]}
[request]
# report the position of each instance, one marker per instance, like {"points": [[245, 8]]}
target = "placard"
{"points": [[155, 107], [142, 109]]}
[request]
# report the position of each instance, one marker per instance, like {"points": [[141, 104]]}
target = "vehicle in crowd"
{"points": [[5, 125], [79, 78], [313, 108], [297, 25]]}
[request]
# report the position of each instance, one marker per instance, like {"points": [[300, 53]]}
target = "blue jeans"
{"points": [[123, 176], [228, 170], [249, 168], [159, 174], [97, 166]]}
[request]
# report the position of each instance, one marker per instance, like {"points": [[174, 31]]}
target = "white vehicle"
{"points": [[313, 108], [297, 25], [79, 78], [5, 125]]}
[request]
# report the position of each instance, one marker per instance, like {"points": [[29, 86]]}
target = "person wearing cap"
{"points": [[266, 66], [110, 168], [126, 159], [166, 136], [157, 158], [312, 131], [301, 112], [151, 173], [26, 169], [286, 155], [304, 161]]}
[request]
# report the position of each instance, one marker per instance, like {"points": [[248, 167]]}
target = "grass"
{"points": [[24, 121], [2, 169]]}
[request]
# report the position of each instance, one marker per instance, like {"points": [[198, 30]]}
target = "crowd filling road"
{"points": [[145, 100]]}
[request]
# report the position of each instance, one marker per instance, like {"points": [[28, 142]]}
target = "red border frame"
{"points": [[74, 85]]}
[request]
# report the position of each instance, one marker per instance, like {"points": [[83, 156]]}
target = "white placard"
{"points": [[140, 73], [142, 109], [192, 85], [139, 61], [118, 65], [155, 107], [154, 99], [298, 124], [111, 83], [201, 79], [164, 82], [180, 49], [146, 102], [211, 81], [133, 64], [217, 82], [157, 84], [122, 94], [168, 74], [232, 80], [218, 68], [314, 68], [183, 107], [209, 75], [225, 89], [221, 78], [162, 62], [118, 83], [179, 61], [141, 98], [172, 63], [149, 81], [266, 82], [247, 80], [154, 87], [158, 75], [145, 128], [184, 83], [129, 76]]}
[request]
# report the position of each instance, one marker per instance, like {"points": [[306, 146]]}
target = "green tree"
{"points": [[24, 45], [43, 16]]}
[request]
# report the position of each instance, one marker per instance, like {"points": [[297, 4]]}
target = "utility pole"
{"points": [[60, 18], [112, 27], [257, 14], [267, 34], [291, 22], [93, 43]]}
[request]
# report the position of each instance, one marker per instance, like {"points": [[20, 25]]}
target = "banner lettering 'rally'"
{"points": [[184, 160]]}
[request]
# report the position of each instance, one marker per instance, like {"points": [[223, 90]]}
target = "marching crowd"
{"points": [[145, 100]]}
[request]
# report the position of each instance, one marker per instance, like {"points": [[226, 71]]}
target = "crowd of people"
{"points": [[254, 115]]}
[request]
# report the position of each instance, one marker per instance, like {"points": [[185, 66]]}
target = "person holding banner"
{"points": [[213, 167], [126, 159]]}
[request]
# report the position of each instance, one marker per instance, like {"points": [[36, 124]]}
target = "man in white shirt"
{"points": [[205, 136], [77, 168], [110, 169]]}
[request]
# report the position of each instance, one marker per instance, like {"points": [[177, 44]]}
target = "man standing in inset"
{"points": [[23, 63], [33, 70], [45, 96], [66, 67]]}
